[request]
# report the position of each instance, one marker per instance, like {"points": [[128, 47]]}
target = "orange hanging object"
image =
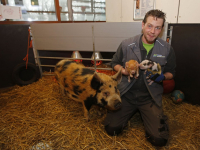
{"points": [[29, 46]]}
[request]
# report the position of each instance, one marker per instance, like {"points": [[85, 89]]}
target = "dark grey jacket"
{"points": [[131, 50]]}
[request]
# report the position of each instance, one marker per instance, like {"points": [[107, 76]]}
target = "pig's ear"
{"points": [[96, 81], [118, 76], [127, 64]]}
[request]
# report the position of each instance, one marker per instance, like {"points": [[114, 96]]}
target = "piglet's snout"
{"points": [[133, 72], [118, 104]]}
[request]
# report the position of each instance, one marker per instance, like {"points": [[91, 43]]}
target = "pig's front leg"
{"points": [[62, 88], [86, 112], [150, 81], [129, 78], [137, 74]]}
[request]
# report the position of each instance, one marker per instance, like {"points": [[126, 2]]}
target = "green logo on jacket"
{"points": [[158, 55]]}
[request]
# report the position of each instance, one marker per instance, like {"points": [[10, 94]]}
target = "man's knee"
{"points": [[113, 130], [159, 138], [158, 141]]}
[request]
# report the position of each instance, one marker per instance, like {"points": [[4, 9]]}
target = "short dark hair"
{"points": [[155, 13]]}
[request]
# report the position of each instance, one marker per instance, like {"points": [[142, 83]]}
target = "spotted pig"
{"points": [[151, 66], [87, 86]]}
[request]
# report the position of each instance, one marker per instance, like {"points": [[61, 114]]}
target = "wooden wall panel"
{"points": [[186, 44], [13, 48], [80, 36]]}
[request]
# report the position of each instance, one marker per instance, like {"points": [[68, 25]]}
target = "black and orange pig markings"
{"points": [[87, 86]]}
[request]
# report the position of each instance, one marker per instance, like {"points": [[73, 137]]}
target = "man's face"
{"points": [[151, 29]]}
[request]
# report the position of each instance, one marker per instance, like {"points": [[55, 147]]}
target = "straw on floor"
{"points": [[38, 116]]}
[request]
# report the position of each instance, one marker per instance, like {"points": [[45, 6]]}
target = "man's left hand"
{"points": [[155, 77]]}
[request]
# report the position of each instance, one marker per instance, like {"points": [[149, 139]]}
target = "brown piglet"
{"points": [[132, 67]]}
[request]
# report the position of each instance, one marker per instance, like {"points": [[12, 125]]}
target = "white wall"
{"points": [[119, 10], [122, 10], [170, 8], [189, 11], [113, 10]]}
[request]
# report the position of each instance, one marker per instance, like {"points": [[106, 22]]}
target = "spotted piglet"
{"points": [[151, 66], [87, 86]]}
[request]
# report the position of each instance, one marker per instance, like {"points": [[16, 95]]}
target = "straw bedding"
{"points": [[38, 116]]}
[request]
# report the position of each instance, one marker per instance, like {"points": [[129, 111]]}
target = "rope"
{"points": [[29, 46]]}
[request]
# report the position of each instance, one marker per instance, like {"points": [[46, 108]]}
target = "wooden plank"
{"points": [[108, 36], [117, 29], [62, 30], [61, 43], [107, 44], [67, 36], [79, 36]]}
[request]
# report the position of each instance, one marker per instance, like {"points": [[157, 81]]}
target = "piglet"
{"points": [[149, 65], [132, 67]]}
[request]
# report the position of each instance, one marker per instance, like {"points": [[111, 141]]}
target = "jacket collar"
{"points": [[135, 46]]}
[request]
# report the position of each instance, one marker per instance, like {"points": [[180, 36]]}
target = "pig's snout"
{"points": [[133, 71], [118, 105]]}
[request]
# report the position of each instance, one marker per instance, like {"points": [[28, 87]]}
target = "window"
{"points": [[88, 10], [34, 2], [18, 2], [70, 10]]}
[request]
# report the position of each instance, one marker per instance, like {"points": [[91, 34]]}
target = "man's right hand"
{"points": [[125, 72]]}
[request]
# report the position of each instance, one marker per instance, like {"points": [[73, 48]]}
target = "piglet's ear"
{"points": [[127, 64], [96, 81], [118, 76]]}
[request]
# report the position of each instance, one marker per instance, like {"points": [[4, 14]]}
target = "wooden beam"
{"points": [[57, 8], [3, 2]]}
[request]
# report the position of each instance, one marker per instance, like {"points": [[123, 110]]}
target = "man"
{"points": [[138, 95]]}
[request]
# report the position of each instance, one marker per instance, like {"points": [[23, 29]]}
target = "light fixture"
{"points": [[77, 56], [96, 56]]}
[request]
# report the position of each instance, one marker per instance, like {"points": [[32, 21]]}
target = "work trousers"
{"points": [[155, 122]]}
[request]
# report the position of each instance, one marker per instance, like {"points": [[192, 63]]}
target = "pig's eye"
{"points": [[116, 89], [106, 94]]}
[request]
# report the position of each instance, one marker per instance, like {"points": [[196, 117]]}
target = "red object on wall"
{"points": [[97, 62], [168, 86]]}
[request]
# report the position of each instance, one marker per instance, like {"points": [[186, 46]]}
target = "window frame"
{"points": [[58, 16]]}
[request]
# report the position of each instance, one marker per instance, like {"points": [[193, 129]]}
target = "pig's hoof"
{"points": [[87, 117]]}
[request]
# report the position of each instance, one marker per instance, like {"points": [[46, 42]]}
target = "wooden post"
{"points": [[3, 2], [57, 8]]}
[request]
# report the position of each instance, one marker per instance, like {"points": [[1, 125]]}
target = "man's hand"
{"points": [[125, 72], [155, 77]]}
